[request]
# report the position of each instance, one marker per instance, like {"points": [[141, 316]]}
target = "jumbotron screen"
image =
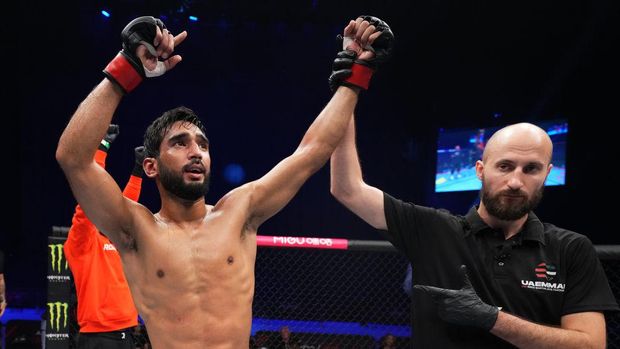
{"points": [[459, 149]]}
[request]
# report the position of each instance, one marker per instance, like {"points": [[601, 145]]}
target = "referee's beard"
{"points": [[510, 205]]}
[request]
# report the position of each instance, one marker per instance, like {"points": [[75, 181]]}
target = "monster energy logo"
{"points": [[57, 311], [57, 256]]}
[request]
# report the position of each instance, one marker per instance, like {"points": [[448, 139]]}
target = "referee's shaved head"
{"points": [[520, 137]]}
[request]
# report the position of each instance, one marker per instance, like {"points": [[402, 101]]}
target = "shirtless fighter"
{"points": [[190, 267]]}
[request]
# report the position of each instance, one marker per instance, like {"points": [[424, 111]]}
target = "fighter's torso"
{"points": [[193, 285]]}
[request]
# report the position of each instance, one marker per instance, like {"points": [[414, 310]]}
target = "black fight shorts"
{"points": [[121, 339]]}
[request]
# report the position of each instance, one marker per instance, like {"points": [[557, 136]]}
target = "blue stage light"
{"points": [[234, 173], [193, 18], [105, 13]]}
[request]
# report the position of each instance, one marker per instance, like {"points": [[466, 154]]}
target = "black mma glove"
{"points": [[110, 136], [349, 71], [341, 68], [462, 307], [126, 69], [139, 154], [383, 45]]}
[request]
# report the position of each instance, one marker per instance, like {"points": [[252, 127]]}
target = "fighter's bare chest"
{"points": [[210, 248]]}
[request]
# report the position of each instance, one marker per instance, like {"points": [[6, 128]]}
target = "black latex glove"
{"points": [[462, 307]]}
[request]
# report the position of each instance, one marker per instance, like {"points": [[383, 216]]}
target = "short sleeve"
{"points": [[400, 219]]}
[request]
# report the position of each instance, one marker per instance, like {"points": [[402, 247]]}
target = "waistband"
{"points": [[118, 334]]}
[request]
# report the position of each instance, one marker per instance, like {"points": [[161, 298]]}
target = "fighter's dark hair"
{"points": [[154, 134]]}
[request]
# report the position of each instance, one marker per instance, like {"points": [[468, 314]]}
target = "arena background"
{"points": [[257, 74]]}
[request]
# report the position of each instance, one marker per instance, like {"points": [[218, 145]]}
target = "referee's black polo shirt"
{"points": [[540, 274]]}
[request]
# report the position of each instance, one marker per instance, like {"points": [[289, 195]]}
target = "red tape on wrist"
{"points": [[120, 71], [360, 76]]}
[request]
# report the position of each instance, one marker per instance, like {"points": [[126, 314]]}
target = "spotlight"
{"points": [[234, 173]]}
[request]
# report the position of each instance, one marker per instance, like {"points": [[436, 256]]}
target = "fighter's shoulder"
{"points": [[142, 220], [239, 194], [140, 212]]}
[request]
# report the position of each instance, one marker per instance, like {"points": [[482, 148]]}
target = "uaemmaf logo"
{"points": [[547, 272]]}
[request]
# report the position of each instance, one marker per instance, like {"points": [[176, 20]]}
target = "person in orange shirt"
{"points": [[106, 312]]}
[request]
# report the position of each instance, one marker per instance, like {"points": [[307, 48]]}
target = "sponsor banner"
{"points": [[302, 242], [58, 317], [59, 281], [57, 266]]}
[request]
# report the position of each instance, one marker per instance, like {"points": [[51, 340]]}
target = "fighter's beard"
{"points": [[175, 184]]}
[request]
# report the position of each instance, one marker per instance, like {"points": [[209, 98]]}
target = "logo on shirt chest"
{"points": [[545, 271], [109, 247], [546, 279]]}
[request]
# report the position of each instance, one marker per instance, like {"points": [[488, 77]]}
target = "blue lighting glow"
{"points": [[193, 18], [331, 327], [234, 173], [28, 314], [105, 13]]}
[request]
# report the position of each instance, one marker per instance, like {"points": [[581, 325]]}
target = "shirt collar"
{"points": [[532, 230]]}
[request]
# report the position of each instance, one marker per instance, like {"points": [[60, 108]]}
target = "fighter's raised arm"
{"points": [[347, 183], [147, 51], [361, 37]]}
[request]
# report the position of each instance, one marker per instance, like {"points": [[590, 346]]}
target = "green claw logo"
{"points": [[57, 311], [57, 257]]}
